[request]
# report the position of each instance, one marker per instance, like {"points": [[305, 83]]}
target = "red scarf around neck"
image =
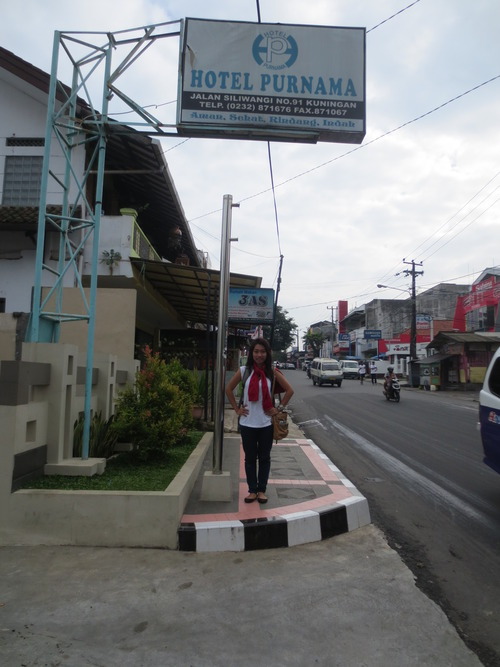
{"points": [[253, 389]]}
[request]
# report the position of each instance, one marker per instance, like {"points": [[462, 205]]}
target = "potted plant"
{"points": [[111, 258], [202, 388]]}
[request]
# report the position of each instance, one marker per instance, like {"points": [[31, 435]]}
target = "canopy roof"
{"points": [[192, 291]]}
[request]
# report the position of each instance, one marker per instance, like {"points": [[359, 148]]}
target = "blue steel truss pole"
{"points": [[101, 158], [33, 334], [64, 225]]}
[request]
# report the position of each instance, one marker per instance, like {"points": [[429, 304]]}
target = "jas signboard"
{"points": [[254, 306], [272, 81]]}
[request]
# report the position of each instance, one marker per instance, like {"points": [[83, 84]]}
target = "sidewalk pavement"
{"points": [[309, 497], [309, 500], [348, 600], [447, 394]]}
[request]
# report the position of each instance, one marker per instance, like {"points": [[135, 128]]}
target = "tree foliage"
{"points": [[283, 331], [315, 340]]}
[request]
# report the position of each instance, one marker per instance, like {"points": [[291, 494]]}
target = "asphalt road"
{"points": [[419, 463]]}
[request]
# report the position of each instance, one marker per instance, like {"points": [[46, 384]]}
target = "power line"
{"points": [[393, 16], [354, 296], [274, 196], [424, 115], [381, 136], [387, 277], [463, 229], [362, 146], [278, 279], [456, 213]]}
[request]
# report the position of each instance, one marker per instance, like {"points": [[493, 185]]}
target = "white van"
{"points": [[350, 369], [326, 371], [489, 414]]}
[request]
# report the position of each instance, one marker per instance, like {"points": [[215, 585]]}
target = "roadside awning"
{"points": [[191, 291], [434, 358]]}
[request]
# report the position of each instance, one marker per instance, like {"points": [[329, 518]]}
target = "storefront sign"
{"points": [[372, 334], [251, 305], [486, 293], [399, 348], [272, 81], [423, 321]]}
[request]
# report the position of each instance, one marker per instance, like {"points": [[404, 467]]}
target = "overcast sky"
{"points": [[347, 215]]}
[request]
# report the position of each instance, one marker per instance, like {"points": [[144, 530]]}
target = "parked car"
{"points": [[289, 365], [326, 371], [489, 414]]}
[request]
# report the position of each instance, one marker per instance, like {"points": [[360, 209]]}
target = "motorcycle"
{"points": [[392, 392]]}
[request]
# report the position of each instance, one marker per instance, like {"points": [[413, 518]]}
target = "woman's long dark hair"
{"points": [[268, 365]]}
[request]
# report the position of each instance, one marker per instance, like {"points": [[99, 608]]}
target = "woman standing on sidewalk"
{"points": [[255, 412]]}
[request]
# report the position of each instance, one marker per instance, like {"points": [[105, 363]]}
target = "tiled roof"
{"points": [[26, 217], [136, 166], [444, 337]]}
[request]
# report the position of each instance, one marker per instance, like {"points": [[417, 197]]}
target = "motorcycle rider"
{"points": [[388, 378]]}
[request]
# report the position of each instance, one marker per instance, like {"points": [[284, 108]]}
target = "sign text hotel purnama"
{"points": [[265, 81]]}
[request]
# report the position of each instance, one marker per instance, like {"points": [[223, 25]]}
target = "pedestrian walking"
{"points": [[362, 372], [255, 412], [373, 372]]}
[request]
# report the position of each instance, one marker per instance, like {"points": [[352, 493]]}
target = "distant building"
{"points": [[478, 310], [392, 318], [329, 331]]}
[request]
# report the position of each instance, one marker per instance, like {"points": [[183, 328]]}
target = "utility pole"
{"points": [[413, 335], [278, 284], [332, 308]]}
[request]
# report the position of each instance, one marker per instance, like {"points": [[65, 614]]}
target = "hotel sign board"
{"points": [[270, 81], [252, 305]]}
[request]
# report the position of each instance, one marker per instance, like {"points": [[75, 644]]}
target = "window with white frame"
{"points": [[22, 180]]}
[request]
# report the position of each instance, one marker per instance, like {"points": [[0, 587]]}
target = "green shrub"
{"points": [[102, 437], [184, 379], [156, 413]]}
